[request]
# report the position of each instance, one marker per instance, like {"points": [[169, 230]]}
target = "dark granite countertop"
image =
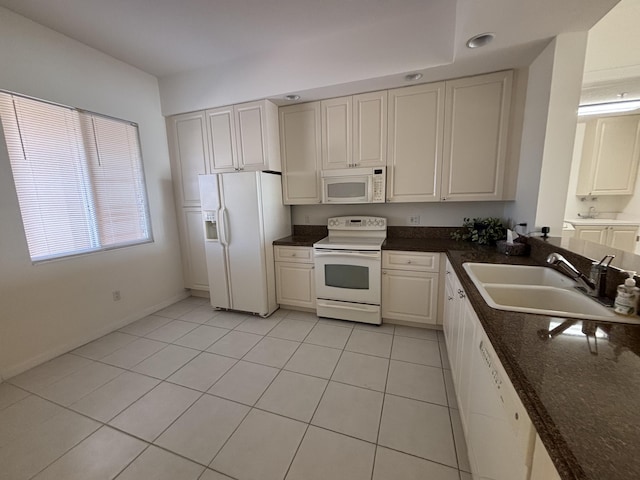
{"points": [[299, 240], [581, 388]]}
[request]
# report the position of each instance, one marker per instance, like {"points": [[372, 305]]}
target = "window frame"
{"points": [[88, 184]]}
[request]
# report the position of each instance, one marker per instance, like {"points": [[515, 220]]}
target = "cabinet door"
{"points": [[192, 245], [300, 144], [411, 296], [622, 238], [189, 155], [370, 129], [414, 151], [222, 139], [475, 137], [336, 133], [610, 160], [295, 284], [251, 133], [596, 234]]}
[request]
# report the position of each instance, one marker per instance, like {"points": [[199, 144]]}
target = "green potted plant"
{"points": [[484, 231]]}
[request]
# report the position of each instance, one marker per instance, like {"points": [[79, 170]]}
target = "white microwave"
{"points": [[354, 185]]}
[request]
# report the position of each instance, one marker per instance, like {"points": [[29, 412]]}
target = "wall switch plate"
{"points": [[414, 220]]}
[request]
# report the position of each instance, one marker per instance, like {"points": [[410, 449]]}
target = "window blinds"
{"points": [[78, 176]]}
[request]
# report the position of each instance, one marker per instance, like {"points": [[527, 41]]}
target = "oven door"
{"points": [[348, 275], [347, 189]]}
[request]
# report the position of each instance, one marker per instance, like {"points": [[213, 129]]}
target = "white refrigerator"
{"points": [[243, 214]]}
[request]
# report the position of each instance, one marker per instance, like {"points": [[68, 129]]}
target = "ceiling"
{"points": [[216, 48], [612, 62]]}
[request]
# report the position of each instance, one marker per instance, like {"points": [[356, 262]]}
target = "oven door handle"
{"points": [[343, 253]]}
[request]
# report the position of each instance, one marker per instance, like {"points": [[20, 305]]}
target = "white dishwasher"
{"points": [[499, 432]]}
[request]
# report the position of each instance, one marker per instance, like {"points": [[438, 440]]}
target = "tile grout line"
{"points": [[202, 393], [295, 454], [384, 396]]}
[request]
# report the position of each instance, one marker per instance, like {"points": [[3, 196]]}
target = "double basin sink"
{"points": [[539, 290]]}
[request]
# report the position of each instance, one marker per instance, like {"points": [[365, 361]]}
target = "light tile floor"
{"points": [[192, 393]]}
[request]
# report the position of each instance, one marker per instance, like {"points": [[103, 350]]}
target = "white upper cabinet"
{"points": [[257, 136], [370, 129], [610, 156], [300, 140], [187, 135], [444, 141], [244, 137], [336, 133], [222, 139], [354, 131], [415, 143], [475, 137]]}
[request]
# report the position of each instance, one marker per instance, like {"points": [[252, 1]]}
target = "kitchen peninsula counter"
{"points": [[580, 388]]}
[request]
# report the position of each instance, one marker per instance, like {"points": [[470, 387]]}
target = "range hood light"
{"points": [[292, 98], [481, 40], [613, 107]]}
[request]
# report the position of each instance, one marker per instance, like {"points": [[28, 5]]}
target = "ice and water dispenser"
{"points": [[210, 226]]}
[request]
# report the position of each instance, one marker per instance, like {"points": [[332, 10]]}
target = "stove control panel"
{"points": [[357, 223]]}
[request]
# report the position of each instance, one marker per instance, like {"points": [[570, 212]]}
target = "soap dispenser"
{"points": [[626, 302]]}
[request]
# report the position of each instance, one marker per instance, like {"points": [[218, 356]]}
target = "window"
{"points": [[78, 176]]}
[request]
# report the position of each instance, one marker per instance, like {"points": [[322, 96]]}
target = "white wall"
{"points": [[397, 214], [532, 142], [553, 94], [51, 307], [566, 82]]}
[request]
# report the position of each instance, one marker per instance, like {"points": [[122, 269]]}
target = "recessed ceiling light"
{"points": [[292, 98], [412, 77], [480, 40]]}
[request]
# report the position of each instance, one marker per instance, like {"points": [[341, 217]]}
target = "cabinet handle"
{"points": [[408, 262], [449, 298], [443, 199], [448, 272], [384, 273]]}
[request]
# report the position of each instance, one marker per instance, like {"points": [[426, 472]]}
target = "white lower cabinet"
{"points": [[498, 431], [295, 279], [622, 237], [410, 286]]}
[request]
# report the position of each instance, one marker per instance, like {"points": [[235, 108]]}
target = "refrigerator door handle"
{"points": [[225, 226], [222, 233]]}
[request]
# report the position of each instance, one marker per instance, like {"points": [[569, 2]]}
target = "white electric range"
{"points": [[347, 269]]}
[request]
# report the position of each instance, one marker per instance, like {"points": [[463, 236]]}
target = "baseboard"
{"points": [[12, 371]]}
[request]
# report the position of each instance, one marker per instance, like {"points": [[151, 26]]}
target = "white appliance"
{"points": [[347, 269], [243, 214], [354, 185], [499, 431]]}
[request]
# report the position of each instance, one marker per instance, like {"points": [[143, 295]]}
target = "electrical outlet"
{"points": [[414, 220], [116, 295]]}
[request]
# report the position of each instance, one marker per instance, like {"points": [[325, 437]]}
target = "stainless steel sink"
{"points": [[540, 290]]}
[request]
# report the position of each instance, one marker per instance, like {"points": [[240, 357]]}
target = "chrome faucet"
{"points": [[558, 260]]}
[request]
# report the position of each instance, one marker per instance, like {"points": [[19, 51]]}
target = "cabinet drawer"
{"points": [[293, 254], [418, 261]]}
